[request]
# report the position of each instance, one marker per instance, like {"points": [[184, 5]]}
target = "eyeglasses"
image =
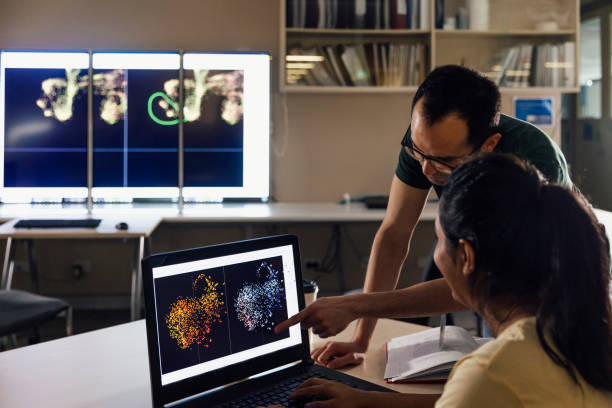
{"points": [[443, 165]]}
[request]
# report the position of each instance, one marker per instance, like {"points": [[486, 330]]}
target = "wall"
{"points": [[323, 145], [334, 144]]}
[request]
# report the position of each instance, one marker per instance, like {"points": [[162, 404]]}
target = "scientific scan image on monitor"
{"points": [[223, 313], [135, 138], [43, 125], [226, 129]]}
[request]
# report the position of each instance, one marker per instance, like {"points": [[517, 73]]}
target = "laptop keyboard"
{"points": [[279, 393]]}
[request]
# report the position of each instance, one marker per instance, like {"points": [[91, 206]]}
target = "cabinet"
{"points": [[527, 46]]}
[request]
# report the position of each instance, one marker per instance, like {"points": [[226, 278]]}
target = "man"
{"points": [[455, 113]]}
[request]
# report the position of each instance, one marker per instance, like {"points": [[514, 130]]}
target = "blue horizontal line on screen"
{"points": [[115, 150], [46, 149], [173, 150]]}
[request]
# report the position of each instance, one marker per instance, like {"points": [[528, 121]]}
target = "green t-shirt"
{"points": [[520, 138]]}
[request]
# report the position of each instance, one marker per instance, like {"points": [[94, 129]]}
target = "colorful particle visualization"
{"points": [[256, 302], [190, 320]]}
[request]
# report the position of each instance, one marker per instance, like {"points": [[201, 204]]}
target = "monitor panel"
{"points": [[227, 122], [43, 125], [135, 132]]}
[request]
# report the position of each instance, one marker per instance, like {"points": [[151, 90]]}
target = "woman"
{"points": [[531, 258]]}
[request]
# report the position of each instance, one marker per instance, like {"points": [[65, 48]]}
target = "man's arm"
{"points": [[390, 247], [328, 316], [389, 250]]}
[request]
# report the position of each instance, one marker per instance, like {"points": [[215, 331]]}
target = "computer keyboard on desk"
{"points": [[58, 223]]}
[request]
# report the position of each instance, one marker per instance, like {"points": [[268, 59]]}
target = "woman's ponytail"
{"points": [[575, 306]]}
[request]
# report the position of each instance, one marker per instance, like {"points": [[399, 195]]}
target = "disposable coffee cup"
{"points": [[310, 291], [310, 295]]}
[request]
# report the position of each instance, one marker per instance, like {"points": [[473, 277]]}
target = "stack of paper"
{"points": [[418, 358]]}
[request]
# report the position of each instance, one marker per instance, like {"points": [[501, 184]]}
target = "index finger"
{"points": [[295, 319]]}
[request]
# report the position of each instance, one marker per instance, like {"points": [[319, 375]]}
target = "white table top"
{"points": [[138, 226], [109, 368], [249, 212]]}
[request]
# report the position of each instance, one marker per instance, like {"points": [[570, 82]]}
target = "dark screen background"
{"points": [[136, 151], [42, 151], [213, 148]]}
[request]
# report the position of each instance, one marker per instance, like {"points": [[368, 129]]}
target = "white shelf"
{"points": [[540, 90], [348, 89], [352, 32], [497, 33], [306, 89]]}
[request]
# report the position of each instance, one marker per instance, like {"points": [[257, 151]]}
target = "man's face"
{"points": [[445, 140]]}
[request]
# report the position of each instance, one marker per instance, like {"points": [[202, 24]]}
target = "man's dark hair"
{"points": [[453, 89]]}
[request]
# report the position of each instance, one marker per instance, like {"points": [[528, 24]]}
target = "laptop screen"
{"points": [[215, 312]]}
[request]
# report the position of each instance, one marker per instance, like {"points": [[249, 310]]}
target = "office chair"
{"points": [[21, 310]]}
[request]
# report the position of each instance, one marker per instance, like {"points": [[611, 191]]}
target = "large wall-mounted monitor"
{"points": [[135, 131], [43, 125], [135, 154]]}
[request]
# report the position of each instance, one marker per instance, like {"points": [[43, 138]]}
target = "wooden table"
{"points": [[373, 367]]}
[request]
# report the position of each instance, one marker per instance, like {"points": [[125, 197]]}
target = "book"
{"points": [[332, 57], [377, 72], [569, 73], [353, 63], [399, 13], [321, 71], [301, 14], [439, 14], [424, 15], [386, 14], [417, 357], [360, 14], [553, 64], [322, 7]]}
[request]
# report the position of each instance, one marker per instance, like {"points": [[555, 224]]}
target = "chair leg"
{"points": [[68, 321], [3, 343], [14, 339]]}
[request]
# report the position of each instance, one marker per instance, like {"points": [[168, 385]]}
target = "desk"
{"points": [[140, 230], [144, 218], [109, 368], [212, 213]]}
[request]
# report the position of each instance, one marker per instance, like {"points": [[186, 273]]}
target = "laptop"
{"points": [[210, 315]]}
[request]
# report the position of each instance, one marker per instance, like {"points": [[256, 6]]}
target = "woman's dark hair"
{"points": [[540, 246], [454, 89]]}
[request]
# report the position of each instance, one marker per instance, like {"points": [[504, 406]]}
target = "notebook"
{"points": [[210, 314], [417, 357]]}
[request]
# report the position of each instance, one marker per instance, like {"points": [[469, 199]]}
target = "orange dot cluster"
{"points": [[190, 319]]}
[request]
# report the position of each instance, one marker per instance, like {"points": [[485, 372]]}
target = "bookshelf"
{"points": [[508, 28]]}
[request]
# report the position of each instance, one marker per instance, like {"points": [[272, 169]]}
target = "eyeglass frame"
{"points": [[408, 144]]}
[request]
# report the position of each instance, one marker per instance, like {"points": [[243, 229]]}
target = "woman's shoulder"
{"points": [[516, 363]]}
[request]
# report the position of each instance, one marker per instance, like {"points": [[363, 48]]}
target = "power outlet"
{"points": [[80, 268], [312, 263], [21, 266]]}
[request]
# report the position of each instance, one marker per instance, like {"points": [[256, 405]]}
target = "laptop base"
{"points": [[276, 387]]}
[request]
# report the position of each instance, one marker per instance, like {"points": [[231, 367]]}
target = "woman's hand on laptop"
{"points": [[338, 395], [327, 316], [336, 354]]}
